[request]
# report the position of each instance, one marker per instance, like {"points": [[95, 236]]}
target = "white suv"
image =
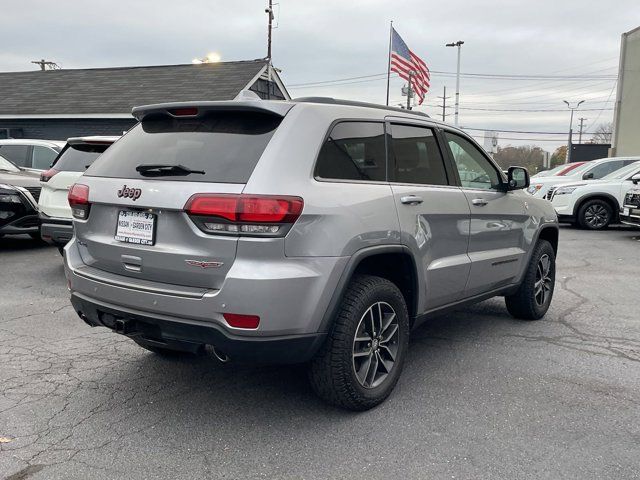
{"points": [[594, 205], [594, 170], [30, 154], [55, 214]]}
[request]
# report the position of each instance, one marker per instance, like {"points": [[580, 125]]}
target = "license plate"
{"points": [[625, 212], [136, 227]]}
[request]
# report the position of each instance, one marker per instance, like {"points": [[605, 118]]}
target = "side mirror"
{"points": [[588, 176], [636, 179], [517, 178]]}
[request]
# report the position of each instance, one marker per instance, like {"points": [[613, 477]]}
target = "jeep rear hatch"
{"points": [[139, 221]]}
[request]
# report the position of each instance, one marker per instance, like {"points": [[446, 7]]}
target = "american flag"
{"points": [[403, 61]]}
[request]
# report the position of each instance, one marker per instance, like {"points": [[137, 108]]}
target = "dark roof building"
{"points": [[57, 104]]}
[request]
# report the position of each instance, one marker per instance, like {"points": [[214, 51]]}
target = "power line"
{"points": [[512, 131], [488, 76]]}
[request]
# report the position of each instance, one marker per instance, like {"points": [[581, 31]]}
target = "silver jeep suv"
{"points": [[313, 230]]}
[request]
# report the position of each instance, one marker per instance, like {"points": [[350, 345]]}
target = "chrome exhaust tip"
{"points": [[216, 352]]}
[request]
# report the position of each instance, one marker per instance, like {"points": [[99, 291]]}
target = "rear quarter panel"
{"points": [[339, 218]]}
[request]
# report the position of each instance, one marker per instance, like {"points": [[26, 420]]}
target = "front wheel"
{"points": [[533, 298], [362, 358], [595, 215]]}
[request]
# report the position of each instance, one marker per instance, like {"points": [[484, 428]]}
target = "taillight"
{"points": [[79, 201], [47, 175], [262, 215], [242, 321]]}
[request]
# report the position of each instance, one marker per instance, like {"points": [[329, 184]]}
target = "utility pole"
{"points": [[444, 103], [581, 127], [567, 158], [458, 44], [269, 12], [44, 64], [409, 91]]}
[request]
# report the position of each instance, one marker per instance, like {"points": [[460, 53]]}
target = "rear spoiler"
{"points": [[197, 109]]}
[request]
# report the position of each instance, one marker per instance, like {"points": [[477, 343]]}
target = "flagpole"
{"points": [[389, 60]]}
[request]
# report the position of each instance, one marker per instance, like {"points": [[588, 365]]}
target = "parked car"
{"points": [[559, 170], [286, 232], [19, 191], [593, 170], [55, 213], [594, 205], [630, 211], [33, 154]]}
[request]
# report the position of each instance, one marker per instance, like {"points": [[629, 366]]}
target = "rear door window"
{"points": [[43, 157], [18, 154], [225, 145], [416, 156], [605, 168], [77, 158], [353, 151]]}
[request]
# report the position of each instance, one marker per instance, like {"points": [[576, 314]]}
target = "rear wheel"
{"points": [[595, 215], [533, 297], [361, 361]]}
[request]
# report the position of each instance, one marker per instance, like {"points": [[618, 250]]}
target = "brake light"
{"points": [[47, 175], [184, 112], [242, 321], [78, 198], [249, 214]]}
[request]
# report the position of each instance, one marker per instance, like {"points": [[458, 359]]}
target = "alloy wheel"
{"points": [[375, 346], [543, 284], [596, 216]]}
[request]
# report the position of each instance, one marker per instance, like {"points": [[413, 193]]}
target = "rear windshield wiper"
{"points": [[166, 170]]}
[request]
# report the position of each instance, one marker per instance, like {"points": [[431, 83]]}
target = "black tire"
{"points": [[595, 214], [332, 372], [526, 303]]}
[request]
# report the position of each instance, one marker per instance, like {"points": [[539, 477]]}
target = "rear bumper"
{"points": [[192, 335], [291, 296], [56, 231]]}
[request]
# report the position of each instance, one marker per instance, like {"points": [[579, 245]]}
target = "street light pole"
{"points": [[458, 44], [567, 157]]}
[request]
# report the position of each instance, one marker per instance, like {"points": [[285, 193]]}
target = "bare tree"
{"points": [[603, 133]]}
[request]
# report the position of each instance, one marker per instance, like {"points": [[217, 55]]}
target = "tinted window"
{"points": [[473, 167], [353, 151], [225, 145], [18, 154], [7, 166], [77, 158], [416, 155], [603, 169], [43, 157]]}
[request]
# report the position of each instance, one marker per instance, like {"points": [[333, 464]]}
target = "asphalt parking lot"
{"points": [[482, 395]]}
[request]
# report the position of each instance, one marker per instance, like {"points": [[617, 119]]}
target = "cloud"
{"points": [[334, 39]]}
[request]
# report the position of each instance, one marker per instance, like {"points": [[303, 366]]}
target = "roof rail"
{"points": [[353, 103]]}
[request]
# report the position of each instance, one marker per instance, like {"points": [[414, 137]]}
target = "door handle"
{"points": [[411, 200], [479, 202]]}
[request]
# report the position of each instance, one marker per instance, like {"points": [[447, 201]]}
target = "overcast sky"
{"points": [[331, 40]]}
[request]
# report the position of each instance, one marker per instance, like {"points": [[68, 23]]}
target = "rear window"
{"points": [[353, 151], [225, 145], [77, 158]]}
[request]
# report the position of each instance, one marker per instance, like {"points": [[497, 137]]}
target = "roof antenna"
{"points": [[46, 65]]}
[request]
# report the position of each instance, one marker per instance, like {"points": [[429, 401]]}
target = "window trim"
{"points": [[391, 165], [452, 160], [317, 178]]}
